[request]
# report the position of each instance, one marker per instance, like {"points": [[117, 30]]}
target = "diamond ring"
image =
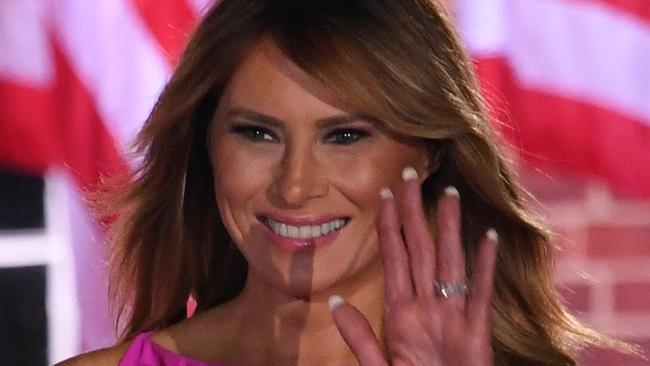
{"points": [[446, 289]]}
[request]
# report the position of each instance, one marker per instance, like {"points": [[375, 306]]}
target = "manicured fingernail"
{"points": [[335, 301], [386, 193], [409, 173], [452, 191], [492, 234]]}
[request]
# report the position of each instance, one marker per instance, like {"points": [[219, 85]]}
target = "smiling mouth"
{"points": [[304, 232]]}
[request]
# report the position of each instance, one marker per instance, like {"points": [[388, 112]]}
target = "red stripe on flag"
{"points": [[579, 137], [637, 8], [58, 126], [88, 149], [170, 22], [495, 78], [558, 133], [26, 134]]}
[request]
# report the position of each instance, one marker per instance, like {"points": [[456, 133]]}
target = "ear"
{"points": [[432, 162]]}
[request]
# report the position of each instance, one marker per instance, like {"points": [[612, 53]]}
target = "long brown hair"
{"points": [[398, 61]]}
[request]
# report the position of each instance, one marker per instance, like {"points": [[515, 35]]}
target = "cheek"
{"points": [[362, 177], [237, 168], [238, 177]]}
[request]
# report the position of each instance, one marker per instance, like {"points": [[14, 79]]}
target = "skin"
{"points": [[299, 167], [421, 327]]}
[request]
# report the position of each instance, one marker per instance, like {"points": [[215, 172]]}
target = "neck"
{"points": [[281, 329]]}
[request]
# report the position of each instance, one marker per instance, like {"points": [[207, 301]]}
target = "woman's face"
{"points": [[297, 179]]}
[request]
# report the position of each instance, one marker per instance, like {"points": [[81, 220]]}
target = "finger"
{"points": [[356, 332], [421, 252], [482, 286], [393, 253], [451, 261]]}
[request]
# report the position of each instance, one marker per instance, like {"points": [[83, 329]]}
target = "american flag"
{"points": [[569, 79], [77, 79]]}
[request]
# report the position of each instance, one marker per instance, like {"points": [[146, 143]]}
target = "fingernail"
{"points": [[409, 173], [386, 193], [492, 234], [335, 301], [452, 191]]}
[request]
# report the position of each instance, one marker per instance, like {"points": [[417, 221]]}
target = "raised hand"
{"points": [[432, 317]]}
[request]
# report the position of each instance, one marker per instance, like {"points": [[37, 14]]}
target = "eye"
{"points": [[254, 133], [346, 136]]}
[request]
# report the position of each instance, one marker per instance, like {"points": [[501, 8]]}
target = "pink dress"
{"points": [[144, 352]]}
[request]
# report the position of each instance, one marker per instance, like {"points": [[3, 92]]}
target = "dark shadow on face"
{"points": [[293, 315]]}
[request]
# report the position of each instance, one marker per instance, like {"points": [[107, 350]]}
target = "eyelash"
{"points": [[261, 134], [253, 133], [357, 133]]}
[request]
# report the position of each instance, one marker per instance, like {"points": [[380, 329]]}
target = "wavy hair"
{"points": [[398, 61]]}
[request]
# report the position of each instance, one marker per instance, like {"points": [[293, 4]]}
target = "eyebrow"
{"points": [[326, 122]]}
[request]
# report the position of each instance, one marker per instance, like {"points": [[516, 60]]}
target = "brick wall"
{"points": [[603, 263]]}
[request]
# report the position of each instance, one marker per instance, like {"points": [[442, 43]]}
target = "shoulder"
{"points": [[104, 357], [204, 333], [204, 336], [210, 335]]}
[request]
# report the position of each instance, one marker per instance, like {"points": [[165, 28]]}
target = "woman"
{"points": [[315, 152]]}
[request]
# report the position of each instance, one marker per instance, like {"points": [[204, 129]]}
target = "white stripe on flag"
{"points": [[482, 26], [581, 50], [24, 47], [116, 59], [584, 51]]}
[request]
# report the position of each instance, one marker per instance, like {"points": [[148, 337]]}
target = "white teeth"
{"points": [[332, 226], [304, 232], [292, 231], [325, 228]]}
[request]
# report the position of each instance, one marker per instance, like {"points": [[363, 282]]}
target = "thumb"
{"points": [[356, 332]]}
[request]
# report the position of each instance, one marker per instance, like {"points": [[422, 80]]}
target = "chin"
{"points": [[306, 288], [315, 274]]}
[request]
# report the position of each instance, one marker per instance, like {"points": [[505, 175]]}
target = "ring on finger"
{"points": [[447, 289]]}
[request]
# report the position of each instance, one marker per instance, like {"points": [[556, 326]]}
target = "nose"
{"points": [[300, 177]]}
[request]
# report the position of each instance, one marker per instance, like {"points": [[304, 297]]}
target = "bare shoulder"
{"points": [[200, 336], [205, 336], [104, 357], [209, 335]]}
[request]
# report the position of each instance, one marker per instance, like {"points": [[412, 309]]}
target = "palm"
{"points": [[422, 327], [418, 334]]}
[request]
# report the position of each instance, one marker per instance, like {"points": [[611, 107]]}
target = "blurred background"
{"points": [[567, 82]]}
